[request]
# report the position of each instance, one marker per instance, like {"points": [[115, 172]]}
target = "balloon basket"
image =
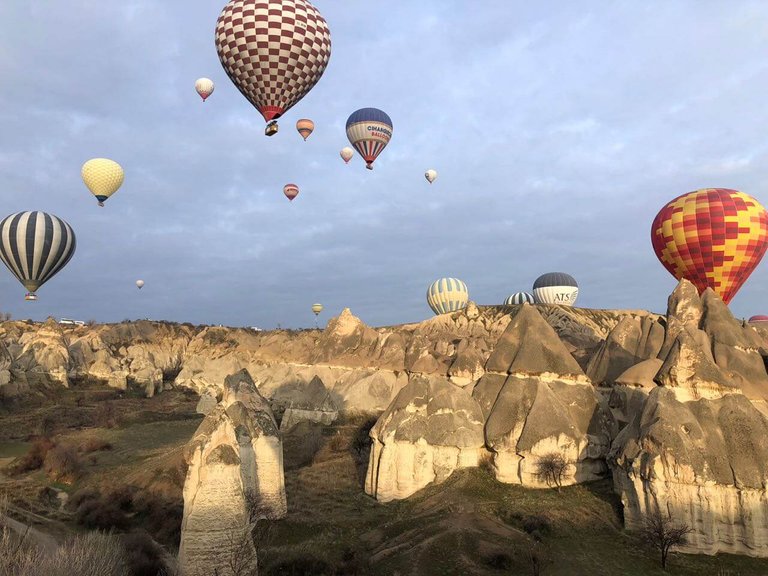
{"points": [[30, 297], [271, 128]]}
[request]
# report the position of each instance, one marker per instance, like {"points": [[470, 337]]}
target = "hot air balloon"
{"points": [[305, 127], [35, 246], [274, 51], [139, 284], [103, 177], [447, 295], [555, 288], [317, 308], [519, 298], [759, 319], [369, 130], [204, 87], [430, 175], [714, 237], [346, 154], [291, 191]]}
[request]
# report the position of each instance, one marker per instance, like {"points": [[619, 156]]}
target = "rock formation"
{"points": [[694, 445], [537, 401], [431, 429], [314, 405], [235, 477]]}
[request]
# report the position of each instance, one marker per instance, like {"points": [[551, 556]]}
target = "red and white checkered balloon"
{"points": [[274, 51]]}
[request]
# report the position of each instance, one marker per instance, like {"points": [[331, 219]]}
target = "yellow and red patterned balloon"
{"points": [[714, 237]]}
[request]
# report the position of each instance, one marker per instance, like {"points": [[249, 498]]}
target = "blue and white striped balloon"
{"points": [[519, 298], [447, 295]]}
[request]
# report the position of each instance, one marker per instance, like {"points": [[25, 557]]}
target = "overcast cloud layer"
{"points": [[558, 132]]}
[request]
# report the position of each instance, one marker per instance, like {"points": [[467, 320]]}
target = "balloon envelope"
{"points": [[555, 288], [139, 284], [346, 154], [759, 318], [714, 237], [103, 177], [447, 295], [519, 298], [35, 246], [291, 191], [369, 130], [273, 51], [430, 175], [317, 308], [305, 127], [204, 87]]}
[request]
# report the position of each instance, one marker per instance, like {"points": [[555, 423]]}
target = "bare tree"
{"points": [[551, 468], [662, 534]]}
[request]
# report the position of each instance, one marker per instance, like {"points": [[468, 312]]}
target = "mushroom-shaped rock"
{"points": [[530, 346], [235, 476], [528, 419], [706, 462], [431, 429]]}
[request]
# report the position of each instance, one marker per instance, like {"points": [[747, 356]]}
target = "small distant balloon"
{"points": [[139, 284], [447, 295], [305, 126], [520, 298], [204, 87], [759, 319], [430, 175], [291, 191], [317, 308], [103, 177], [346, 154], [369, 130]]}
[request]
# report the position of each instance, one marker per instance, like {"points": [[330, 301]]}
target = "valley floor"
{"points": [[129, 475]]}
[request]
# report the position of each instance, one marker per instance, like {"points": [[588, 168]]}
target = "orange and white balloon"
{"points": [[305, 126], [204, 87]]}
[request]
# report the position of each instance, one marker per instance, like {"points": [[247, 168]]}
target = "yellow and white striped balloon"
{"points": [[447, 295], [103, 177]]}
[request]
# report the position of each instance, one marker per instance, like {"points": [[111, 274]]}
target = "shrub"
{"points": [[101, 514], [499, 561], [34, 458], [551, 468], [92, 554], [105, 415], [143, 556], [62, 463]]}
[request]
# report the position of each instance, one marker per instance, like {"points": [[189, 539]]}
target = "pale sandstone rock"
{"points": [[235, 475], [705, 462], [314, 405], [431, 429]]}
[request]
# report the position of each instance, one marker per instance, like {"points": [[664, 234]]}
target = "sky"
{"points": [[558, 128]]}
